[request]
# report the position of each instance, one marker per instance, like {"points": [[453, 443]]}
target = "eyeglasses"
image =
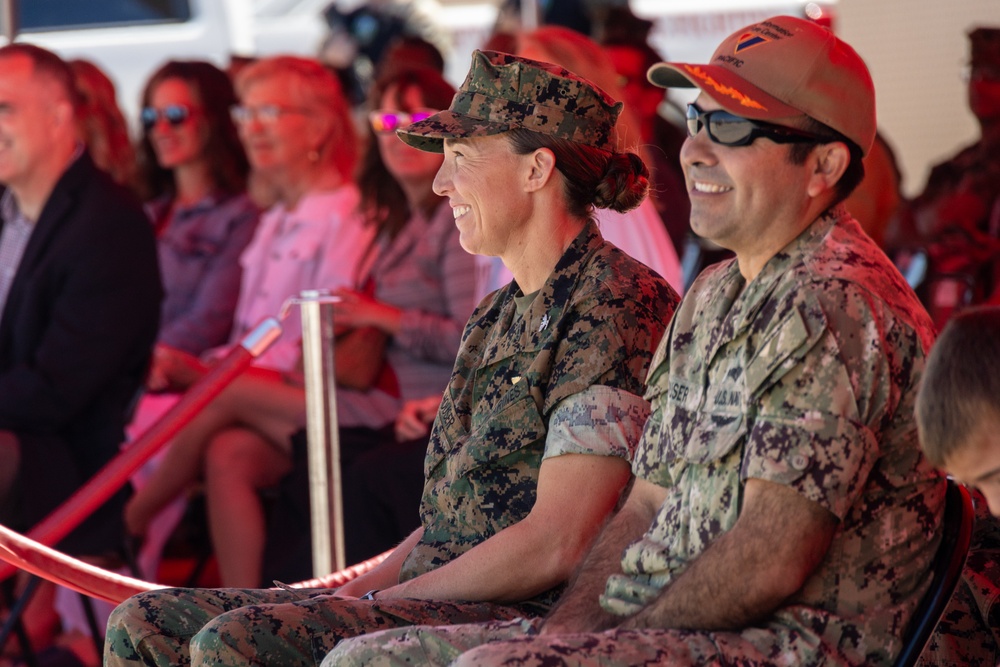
{"points": [[385, 122], [174, 114], [266, 113], [730, 130]]}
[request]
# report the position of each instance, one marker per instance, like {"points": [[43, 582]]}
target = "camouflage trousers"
{"points": [[190, 626], [518, 643]]}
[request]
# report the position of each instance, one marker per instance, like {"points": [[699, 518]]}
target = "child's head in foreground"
{"points": [[958, 407]]}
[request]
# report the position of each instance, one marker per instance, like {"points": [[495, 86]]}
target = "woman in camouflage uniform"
{"points": [[531, 447]]}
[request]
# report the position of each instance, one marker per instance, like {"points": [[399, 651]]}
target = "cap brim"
{"points": [[733, 93], [429, 134]]}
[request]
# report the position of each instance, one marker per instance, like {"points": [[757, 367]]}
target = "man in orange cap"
{"points": [[781, 511]]}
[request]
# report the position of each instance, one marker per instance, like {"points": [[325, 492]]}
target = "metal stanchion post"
{"points": [[530, 15], [9, 19], [322, 434]]}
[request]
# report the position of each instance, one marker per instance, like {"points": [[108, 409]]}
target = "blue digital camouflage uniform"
{"points": [[561, 372], [807, 377]]}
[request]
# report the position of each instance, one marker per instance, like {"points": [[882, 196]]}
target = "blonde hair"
{"points": [[317, 89], [101, 124]]}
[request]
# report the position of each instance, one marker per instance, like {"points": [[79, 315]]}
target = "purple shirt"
{"points": [[199, 250]]}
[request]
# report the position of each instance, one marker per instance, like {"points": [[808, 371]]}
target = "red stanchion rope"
{"points": [[32, 553], [96, 491], [57, 567]]}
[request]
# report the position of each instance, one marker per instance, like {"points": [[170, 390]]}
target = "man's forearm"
{"points": [[716, 592], [746, 573], [511, 566], [579, 609]]}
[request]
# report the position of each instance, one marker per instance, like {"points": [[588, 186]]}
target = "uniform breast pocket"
{"points": [[714, 437], [512, 424], [690, 433]]}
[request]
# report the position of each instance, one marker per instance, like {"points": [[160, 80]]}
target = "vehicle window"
{"points": [[47, 15]]}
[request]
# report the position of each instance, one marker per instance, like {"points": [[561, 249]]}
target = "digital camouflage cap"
{"points": [[503, 92]]}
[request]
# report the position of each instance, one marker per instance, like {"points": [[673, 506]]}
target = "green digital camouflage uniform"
{"points": [[806, 377], [561, 372]]}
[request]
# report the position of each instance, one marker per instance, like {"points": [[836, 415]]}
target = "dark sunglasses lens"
{"points": [[175, 115], [149, 117], [420, 115], [693, 120], [729, 130]]}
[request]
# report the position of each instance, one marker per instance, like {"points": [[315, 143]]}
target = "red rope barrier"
{"points": [[96, 582], [30, 553], [116, 472]]}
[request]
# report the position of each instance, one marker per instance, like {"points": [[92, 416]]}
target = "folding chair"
{"points": [[947, 568]]}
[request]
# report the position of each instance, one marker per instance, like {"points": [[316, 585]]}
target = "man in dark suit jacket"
{"points": [[79, 301]]}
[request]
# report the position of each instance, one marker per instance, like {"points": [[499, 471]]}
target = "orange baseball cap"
{"points": [[781, 68]]}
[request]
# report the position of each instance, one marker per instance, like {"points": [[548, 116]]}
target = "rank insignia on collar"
{"points": [[545, 322]]}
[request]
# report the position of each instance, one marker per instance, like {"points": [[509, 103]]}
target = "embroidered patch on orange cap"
{"points": [[748, 40]]}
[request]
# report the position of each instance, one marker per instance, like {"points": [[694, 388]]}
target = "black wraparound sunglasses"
{"points": [[731, 130]]}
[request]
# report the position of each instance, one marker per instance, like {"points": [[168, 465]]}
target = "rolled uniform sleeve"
{"points": [[602, 421]]}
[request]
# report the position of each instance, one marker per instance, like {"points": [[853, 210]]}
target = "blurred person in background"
{"points": [[360, 35], [964, 191], [408, 51], [296, 129], [193, 176], [79, 306], [956, 219], [575, 15], [418, 290], [295, 125], [400, 327], [624, 37], [102, 126]]}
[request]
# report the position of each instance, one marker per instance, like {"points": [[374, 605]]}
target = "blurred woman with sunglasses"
{"points": [[193, 174], [402, 325], [296, 129]]}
